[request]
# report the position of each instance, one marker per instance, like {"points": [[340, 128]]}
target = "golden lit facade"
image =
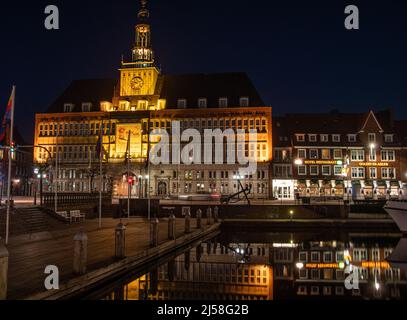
{"points": [[144, 100]]}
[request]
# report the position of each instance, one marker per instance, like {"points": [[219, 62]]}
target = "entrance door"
{"points": [[162, 188]]}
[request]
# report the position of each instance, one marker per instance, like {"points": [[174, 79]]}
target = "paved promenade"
{"points": [[30, 256]]}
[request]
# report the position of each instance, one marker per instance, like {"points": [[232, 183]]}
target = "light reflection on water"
{"points": [[273, 266]]}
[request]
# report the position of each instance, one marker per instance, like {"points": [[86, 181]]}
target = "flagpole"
{"points": [[100, 178], [128, 175], [9, 166]]}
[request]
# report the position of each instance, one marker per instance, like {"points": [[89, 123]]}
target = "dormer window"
{"points": [[68, 107], [244, 102], [372, 137], [336, 138], [86, 106], [388, 138], [313, 138], [300, 137], [351, 137], [182, 103], [202, 103], [324, 138], [223, 102]]}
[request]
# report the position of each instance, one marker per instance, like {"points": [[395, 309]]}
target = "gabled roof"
{"points": [[371, 115]]}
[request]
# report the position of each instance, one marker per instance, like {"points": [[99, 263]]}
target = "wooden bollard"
{"points": [[199, 219], [154, 232], [188, 222], [216, 214], [3, 272], [80, 257], [171, 227], [209, 216], [120, 236]]}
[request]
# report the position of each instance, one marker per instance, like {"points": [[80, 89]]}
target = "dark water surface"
{"points": [[273, 266]]}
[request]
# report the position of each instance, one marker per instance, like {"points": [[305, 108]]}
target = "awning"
{"points": [[327, 183], [315, 182], [395, 184], [356, 183]]}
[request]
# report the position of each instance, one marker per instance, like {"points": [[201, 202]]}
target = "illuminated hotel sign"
{"points": [[376, 265], [322, 162], [323, 266], [373, 164]]}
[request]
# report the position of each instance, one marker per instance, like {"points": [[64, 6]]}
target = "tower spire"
{"points": [[143, 54]]}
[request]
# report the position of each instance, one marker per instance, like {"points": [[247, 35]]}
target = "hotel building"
{"points": [[338, 155], [140, 101]]}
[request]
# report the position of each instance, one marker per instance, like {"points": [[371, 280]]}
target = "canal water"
{"points": [[272, 266]]}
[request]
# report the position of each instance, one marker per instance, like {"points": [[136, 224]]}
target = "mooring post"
{"points": [[199, 219], [171, 227], [216, 214], [80, 257], [120, 248], [209, 216], [188, 221], [154, 232], [3, 272]]}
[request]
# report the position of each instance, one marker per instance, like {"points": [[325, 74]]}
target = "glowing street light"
{"points": [[299, 265], [298, 162]]}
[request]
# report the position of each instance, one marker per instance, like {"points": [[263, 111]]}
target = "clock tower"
{"points": [[138, 78]]}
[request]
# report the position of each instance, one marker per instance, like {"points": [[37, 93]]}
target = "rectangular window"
{"points": [[68, 107], [388, 138], [86, 107], [326, 170], [337, 154], [315, 257], [302, 153], [326, 154], [313, 138], [352, 138], [223, 102], [373, 173], [338, 170], [358, 173], [324, 138], [300, 137], [244, 102], [202, 103], [182, 103], [336, 138], [372, 137], [302, 170], [313, 154], [314, 170], [388, 155], [388, 173], [358, 155]]}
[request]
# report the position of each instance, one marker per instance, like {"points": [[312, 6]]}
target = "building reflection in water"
{"points": [[281, 266]]}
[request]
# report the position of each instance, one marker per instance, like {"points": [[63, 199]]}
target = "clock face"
{"points": [[137, 83]]}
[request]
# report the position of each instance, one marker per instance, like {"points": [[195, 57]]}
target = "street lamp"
{"points": [[298, 162], [299, 265]]}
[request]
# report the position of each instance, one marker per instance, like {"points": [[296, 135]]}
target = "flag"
{"points": [[6, 122]]}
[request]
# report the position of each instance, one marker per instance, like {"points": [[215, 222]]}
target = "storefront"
{"points": [[283, 189]]}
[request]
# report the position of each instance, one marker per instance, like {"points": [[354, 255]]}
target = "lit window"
{"points": [[326, 154]]}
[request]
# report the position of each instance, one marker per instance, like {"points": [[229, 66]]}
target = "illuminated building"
{"points": [[144, 99], [338, 155]]}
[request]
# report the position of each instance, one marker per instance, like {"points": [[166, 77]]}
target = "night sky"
{"points": [[298, 53]]}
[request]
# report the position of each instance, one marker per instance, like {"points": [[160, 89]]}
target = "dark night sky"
{"points": [[298, 53]]}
